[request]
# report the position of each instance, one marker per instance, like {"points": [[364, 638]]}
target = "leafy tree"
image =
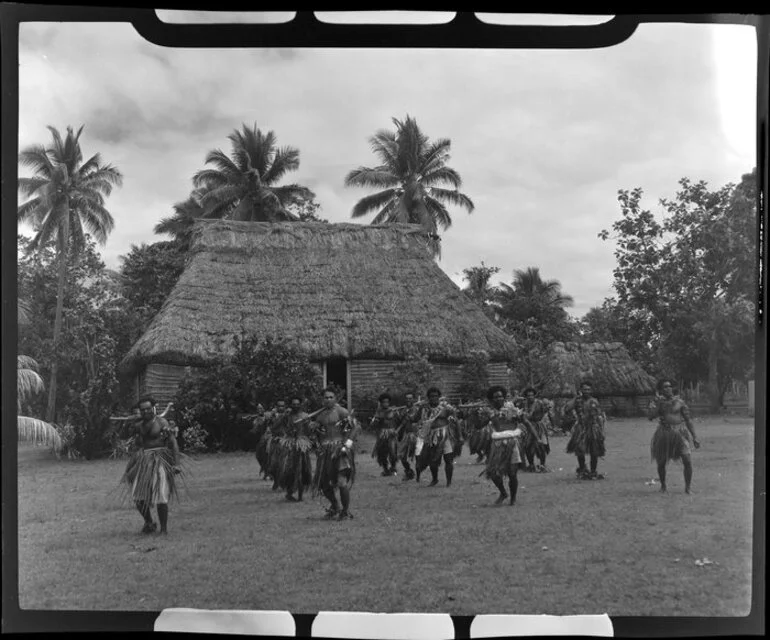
{"points": [[66, 199], [411, 174], [97, 331], [533, 365], [479, 288], [475, 376], [148, 274], [244, 186], [529, 298], [180, 225], [691, 277], [261, 371], [613, 322], [413, 375], [304, 207]]}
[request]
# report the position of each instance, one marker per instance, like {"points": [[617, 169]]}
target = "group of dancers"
{"points": [[506, 433]]}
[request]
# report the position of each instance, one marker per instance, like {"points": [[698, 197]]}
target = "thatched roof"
{"points": [[607, 364], [345, 290]]}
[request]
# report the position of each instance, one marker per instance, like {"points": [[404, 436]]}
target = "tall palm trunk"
{"points": [[63, 237]]}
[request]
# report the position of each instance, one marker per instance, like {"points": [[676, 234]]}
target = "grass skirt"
{"points": [[149, 476], [330, 461], [587, 440], [386, 447], [407, 446], [274, 457], [294, 467], [538, 444], [438, 443], [670, 443], [262, 456], [480, 440], [504, 458]]}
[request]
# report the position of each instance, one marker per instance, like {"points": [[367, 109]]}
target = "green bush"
{"points": [[261, 371]]}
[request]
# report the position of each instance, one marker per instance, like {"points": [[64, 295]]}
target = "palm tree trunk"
{"points": [[57, 323]]}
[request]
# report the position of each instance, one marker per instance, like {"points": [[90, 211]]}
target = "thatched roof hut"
{"points": [[357, 292], [608, 365]]}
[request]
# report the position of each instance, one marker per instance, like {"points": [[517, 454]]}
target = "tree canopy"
{"points": [[688, 281]]}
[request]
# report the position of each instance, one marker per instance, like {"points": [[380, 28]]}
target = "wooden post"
{"points": [[348, 378], [323, 367]]}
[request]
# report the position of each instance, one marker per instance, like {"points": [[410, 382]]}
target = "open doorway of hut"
{"points": [[337, 373]]}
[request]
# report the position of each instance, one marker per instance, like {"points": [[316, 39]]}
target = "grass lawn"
{"points": [[616, 546]]}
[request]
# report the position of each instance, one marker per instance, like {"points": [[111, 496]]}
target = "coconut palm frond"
{"points": [[96, 220], [442, 175], [209, 179], [388, 212], [375, 201], [28, 383], [379, 177], [452, 197], [286, 159], [38, 432], [224, 165], [436, 154], [31, 210], [22, 361], [36, 158], [438, 213], [30, 186]]}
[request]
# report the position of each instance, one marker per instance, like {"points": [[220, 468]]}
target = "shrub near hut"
{"points": [[475, 376], [259, 372]]}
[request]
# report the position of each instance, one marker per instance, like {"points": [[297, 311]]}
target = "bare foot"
{"points": [[501, 498], [663, 489]]}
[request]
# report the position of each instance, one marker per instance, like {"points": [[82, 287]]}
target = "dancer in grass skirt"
{"points": [[407, 435], [675, 435], [505, 454], [273, 435], [294, 467], [259, 429], [438, 438], [587, 437], [479, 432], [336, 432], [155, 471], [536, 442], [385, 423]]}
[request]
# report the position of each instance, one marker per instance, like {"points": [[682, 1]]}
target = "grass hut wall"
{"points": [[355, 298], [620, 384]]}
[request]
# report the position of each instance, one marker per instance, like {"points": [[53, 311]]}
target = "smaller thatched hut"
{"points": [[620, 384]]}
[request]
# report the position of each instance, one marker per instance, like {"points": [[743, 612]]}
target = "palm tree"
{"points": [[529, 296], [28, 382], [180, 224], [412, 169], [66, 200], [244, 187]]}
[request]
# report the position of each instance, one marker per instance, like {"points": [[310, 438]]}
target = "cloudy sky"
{"points": [[542, 139]]}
